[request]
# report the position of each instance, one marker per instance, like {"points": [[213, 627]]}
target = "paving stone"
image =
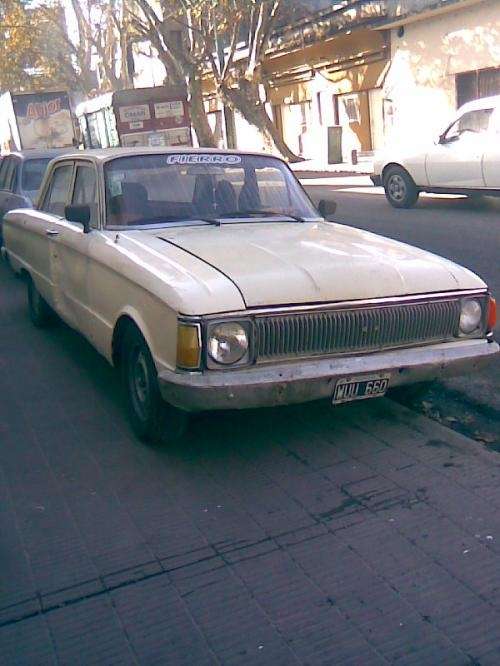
{"points": [[26, 643], [368, 535]]}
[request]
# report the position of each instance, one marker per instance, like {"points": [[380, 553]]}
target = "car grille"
{"points": [[355, 330]]}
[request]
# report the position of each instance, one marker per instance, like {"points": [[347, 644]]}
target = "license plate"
{"points": [[360, 387]]}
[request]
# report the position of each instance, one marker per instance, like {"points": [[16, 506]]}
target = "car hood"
{"points": [[293, 263]]}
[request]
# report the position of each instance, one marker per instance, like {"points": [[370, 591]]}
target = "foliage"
{"points": [[36, 51], [30, 57]]}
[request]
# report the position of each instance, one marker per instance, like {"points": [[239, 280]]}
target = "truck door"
{"points": [[491, 158], [456, 162]]}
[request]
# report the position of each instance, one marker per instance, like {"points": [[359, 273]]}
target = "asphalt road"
{"points": [[367, 534], [457, 228]]}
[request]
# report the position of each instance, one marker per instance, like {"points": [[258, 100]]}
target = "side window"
{"points": [[14, 176], [8, 168], [476, 122], [58, 194], [85, 191], [4, 166]]}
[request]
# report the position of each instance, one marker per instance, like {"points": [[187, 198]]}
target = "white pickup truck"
{"points": [[465, 159]]}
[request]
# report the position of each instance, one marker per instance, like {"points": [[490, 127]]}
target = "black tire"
{"points": [[152, 419], [400, 190], [41, 314]]}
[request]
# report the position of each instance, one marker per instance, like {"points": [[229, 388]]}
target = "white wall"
{"points": [[248, 136]]}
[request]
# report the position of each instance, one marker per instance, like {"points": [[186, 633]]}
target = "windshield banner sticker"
{"points": [[196, 158]]}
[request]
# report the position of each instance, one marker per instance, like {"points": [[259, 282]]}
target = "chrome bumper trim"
{"points": [[307, 380]]}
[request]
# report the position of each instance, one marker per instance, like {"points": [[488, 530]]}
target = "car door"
{"points": [[43, 228], [9, 177], [70, 256], [491, 158], [456, 161]]}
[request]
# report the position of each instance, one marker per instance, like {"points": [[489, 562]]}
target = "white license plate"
{"points": [[360, 387]]}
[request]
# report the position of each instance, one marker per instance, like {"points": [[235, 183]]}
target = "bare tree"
{"points": [[172, 30], [103, 34], [201, 39], [225, 25]]}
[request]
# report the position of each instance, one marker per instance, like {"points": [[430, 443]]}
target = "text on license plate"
{"points": [[360, 387]]}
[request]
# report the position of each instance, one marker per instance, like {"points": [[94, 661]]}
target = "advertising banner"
{"points": [[152, 117], [44, 120]]}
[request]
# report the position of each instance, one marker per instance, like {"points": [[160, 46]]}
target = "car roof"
{"points": [[106, 154], [482, 103], [36, 154]]}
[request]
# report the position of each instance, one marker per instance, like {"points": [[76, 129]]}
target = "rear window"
{"points": [[33, 172]]}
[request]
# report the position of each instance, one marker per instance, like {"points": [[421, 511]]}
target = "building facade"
{"points": [[443, 54], [323, 77]]}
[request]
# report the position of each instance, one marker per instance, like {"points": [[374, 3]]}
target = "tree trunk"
{"points": [[246, 100], [199, 118]]}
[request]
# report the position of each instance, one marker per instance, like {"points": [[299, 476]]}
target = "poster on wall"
{"points": [[44, 120]]}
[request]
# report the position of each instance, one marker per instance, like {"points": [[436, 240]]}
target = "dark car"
{"points": [[21, 174]]}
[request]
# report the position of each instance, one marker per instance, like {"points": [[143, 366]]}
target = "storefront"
{"points": [[335, 83]]}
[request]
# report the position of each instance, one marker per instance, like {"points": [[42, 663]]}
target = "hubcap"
{"points": [[396, 187], [139, 383]]}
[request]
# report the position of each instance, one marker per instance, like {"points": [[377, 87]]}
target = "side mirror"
{"points": [[327, 208], [443, 139], [80, 214]]}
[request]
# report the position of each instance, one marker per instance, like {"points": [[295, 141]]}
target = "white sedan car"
{"points": [[211, 281], [465, 159]]}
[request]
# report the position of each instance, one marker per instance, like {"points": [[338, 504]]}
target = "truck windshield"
{"points": [[168, 188], [33, 172]]}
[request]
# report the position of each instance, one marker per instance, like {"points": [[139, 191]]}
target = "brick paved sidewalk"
{"points": [[361, 535]]}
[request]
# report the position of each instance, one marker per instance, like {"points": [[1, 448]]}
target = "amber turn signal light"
{"points": [[492, 314], [188, 346]]}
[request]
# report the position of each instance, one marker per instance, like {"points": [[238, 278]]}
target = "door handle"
{"points": [[51, 232]]}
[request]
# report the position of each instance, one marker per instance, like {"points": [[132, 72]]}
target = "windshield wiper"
{"points": [[168, 220], [262, 213]]}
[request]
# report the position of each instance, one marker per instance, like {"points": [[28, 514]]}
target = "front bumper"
{"points": [[307, 380], [376, 180]]}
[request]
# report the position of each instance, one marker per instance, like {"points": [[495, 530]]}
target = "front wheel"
{"points": [[152, 419], [400, 190], [41, 314]]}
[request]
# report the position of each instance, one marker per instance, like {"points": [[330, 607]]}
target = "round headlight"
{"points": [[470, 316], [227, 343]]}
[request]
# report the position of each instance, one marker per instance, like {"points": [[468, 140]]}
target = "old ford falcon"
{"points": [[212, 282]]}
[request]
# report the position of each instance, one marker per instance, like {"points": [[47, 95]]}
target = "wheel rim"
{"points": [[140, 384], [396, 187]]}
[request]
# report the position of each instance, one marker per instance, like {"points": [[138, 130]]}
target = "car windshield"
{"points": [[33, 172], [158, 190]]}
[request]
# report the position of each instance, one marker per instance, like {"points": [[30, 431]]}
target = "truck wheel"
{"points": [[152, 419], [41, 314], [400, 190]]}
